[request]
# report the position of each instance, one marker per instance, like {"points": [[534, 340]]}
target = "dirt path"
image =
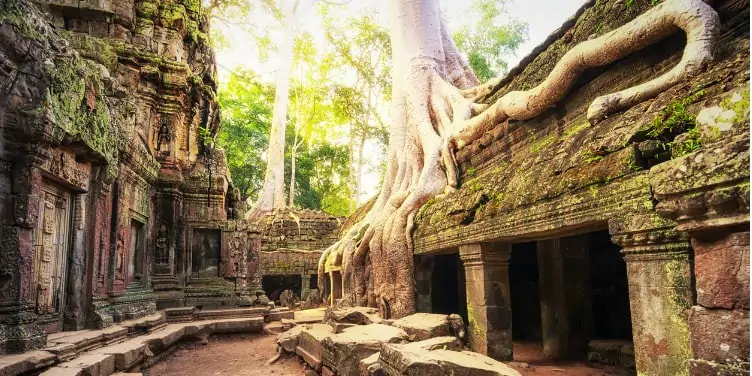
{"points": [[226, 355], [247, 354]]}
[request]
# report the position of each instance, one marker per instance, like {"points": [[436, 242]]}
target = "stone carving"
{"points": [[161, 255], [120, 253]]}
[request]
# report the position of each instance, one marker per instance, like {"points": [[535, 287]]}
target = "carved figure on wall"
{"points": [[236, 267], [162, 255], [120, 252], [163, 140]]}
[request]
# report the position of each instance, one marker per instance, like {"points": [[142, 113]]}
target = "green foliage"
{"points": [[246, 106], [490, 39], [688, 144]]}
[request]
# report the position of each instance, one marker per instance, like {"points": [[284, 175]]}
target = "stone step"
{"points": [[143, 348]]}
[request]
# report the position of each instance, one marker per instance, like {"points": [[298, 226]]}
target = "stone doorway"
{"points": [[273, 285], [52, 242], [448, 285], [137, 251], [205, 249], [525, 299]]}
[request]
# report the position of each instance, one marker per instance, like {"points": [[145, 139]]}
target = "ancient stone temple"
{"points": [[291, 243], [626, 241], [113, 202]]}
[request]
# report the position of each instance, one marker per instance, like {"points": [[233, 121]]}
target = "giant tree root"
{"points": [[434, 114]]}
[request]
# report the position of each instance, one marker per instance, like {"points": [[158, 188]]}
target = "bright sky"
{"points": [[542, 17]]}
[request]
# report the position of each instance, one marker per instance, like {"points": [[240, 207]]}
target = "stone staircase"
{"points": [[135, 344]]}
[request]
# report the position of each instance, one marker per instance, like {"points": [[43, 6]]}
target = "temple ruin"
{"points": [[624, 242]]}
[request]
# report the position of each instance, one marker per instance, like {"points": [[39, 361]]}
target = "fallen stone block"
{"points": [[21, 363], [370, 366], [422, 326], [277, 314], [344, 351], [288, 340], [127, 354], [310, 344], [354, 315], [89, 365], [163, 339], [412, 359], [246, 325], [340, 327], [611, 352]]}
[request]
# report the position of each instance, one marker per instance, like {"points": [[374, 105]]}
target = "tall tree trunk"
{"points": [[272, 195], [378, 267], [293, 156]]}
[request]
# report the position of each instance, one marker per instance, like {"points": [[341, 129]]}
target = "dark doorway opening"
{"points": [[273, 285], [313, 283], [448, 286], [608, 276], [523, 281], [205, 253]]}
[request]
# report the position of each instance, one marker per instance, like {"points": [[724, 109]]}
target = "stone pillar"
{"points": [[489, 308], [564, 288], [660, 291], [707, 194], [305, 285], [20, 191]]}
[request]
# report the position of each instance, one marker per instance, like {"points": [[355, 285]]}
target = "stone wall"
{"points": [[103, 174], [299, 229]]}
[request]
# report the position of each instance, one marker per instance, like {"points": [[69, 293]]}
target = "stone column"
{"points": [[19, 211], [660, 291], [305, 284], [707, 194], [564, 287], [489, 307]]}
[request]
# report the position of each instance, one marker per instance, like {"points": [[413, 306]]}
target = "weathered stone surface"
{"points": [[413, 359], [354, 315], [22, 363], [126, 354], [280, 313], [421, 326], [611, 352], [310, 345], [370, 366], [343, 352], [289, 340], [719, 336], [245, 325], [90, 365], [722, 271]]}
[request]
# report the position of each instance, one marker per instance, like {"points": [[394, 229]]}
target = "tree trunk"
{"points": [[272, 195], [376, 254]]}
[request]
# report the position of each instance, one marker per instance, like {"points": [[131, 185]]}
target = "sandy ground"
{"points": [[247, 354], [225, 355]]}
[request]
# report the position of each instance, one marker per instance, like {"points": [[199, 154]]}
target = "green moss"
{"points": [[92, 48], [575, 130], [739, 103], [543, 143], [470, 172], [17, 14], [67, 107]]}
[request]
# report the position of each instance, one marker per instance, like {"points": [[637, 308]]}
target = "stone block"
{"points": [[422, 326], [127, 354], [409, 359], [722, 271], [288, 340], [22, 363], [277, 314], [370, 366], [161, 340], [343, 352], [719, 336], [310, 345], [91, 365], [611, 352], [249, 325], [354, 315]]}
